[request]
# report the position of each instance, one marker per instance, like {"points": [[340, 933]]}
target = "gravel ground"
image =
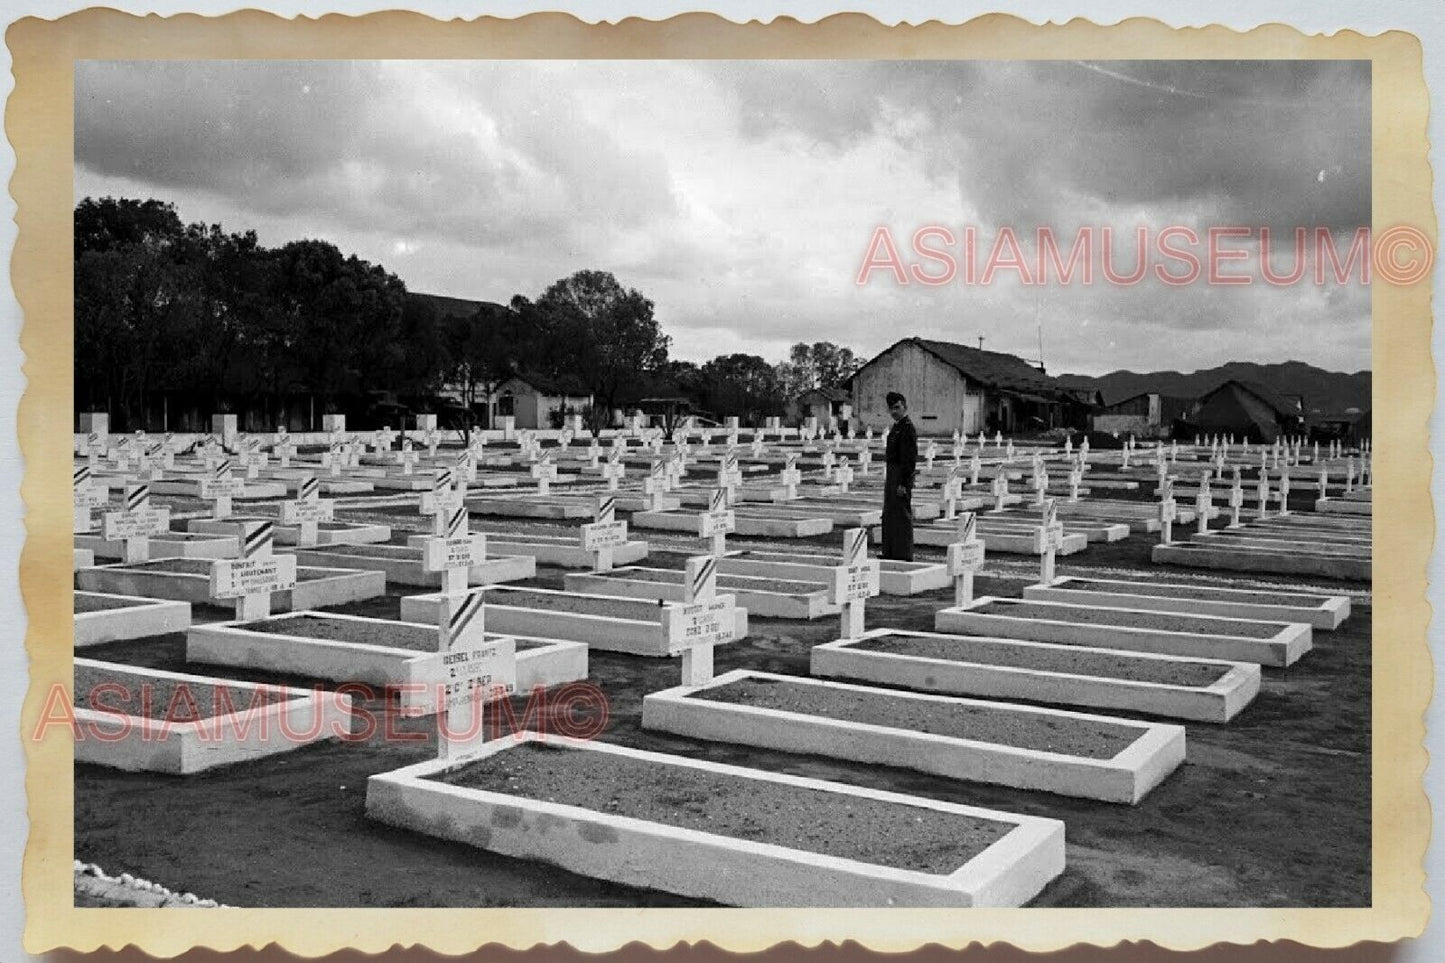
{"points": [[90, 602], [159, 697], [581, 605], [723, 581], [1103, 665], [359, 633], [905, 837], [1018, 729]]}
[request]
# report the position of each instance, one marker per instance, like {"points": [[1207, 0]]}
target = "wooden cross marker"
{"points": [[1236, 499], [453, 550], [1203, 504], [702, 620], [470, 670], [717, 521], [135, 523], [545, 473], [252, 578], [965, 557], [855, 581], [87, 496], [605, 534], [307, 511], [1167, 510], [220, 487], [1051, 536]]}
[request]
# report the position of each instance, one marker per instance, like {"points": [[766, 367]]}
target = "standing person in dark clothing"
{"points": [[902, 463]]}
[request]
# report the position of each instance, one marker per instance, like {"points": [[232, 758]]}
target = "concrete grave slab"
{"points": [[1241, 558], [189, 580], [895, 578], [616, 834], [352, 648], [1166, 633], [142, 727], [635, 627], [168, 545], [1093, 757], [767, 597], [403, 564], [748, 524], [996, 541], [1320, 611], [100, 617], [1203, 690], [327, 533], [82, 558]]}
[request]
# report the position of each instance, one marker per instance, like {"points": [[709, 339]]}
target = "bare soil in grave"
{"points": [[92, 602], [1133, 619], [980, 651], [160, 697], [1019, 729], [202, 566], [723, 581], [849, 827], [576, 604], [1297, 599], [399, 553], [1290, 777], [357, 633]]}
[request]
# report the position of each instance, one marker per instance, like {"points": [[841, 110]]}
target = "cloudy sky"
{"points": [[742, 197]]}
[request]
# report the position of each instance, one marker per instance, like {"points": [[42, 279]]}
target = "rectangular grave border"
{"points": [[145, 617], [1284, 649], [191, 747], [554, 662], [758, 601], [1125, 778], [1219, 702], [689, 862], [1328, 616]]}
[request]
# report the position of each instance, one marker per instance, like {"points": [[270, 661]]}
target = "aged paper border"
{"points": [[39, 123]]}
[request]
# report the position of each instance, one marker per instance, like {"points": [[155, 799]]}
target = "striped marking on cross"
{"points": [[80, 477], [701, 579], [441, 481], [457, 522], [967, 527], [1051, 513], [718, 500], [309, 490], [545, 458], [606, 509], [791, 462], [461, 616], [855, 546], [257, 538], [137, 497], [222, 469]]}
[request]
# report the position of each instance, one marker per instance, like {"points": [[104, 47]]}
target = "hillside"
{"points": [[1323, 391]]}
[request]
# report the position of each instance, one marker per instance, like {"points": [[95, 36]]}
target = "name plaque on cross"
{"points": [[702, 620], [964, 558]]}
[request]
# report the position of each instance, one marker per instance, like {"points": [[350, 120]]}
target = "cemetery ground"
{"points": [[1270, 809]]}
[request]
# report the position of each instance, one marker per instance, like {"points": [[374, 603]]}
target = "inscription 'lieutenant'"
{"points": [[902, 464]]}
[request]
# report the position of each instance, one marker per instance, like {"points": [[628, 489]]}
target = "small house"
{"points": [[1248, 409], [539, 402], [1145, 415]]}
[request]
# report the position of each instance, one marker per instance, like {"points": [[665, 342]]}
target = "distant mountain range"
{"points": [[1324, 392]]}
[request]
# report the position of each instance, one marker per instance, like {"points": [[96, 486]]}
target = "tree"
{"points": [[822, 364], [604, 334], [484, 350], [743, 385]]}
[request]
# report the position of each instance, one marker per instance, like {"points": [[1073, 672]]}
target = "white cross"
{"points": [[1203, 504], [929, 453], [1000, 489], [790, 477], [654, 486], [952, 492], [1051, 536], [407, 457], [965, 557], [717, 521], [605, 534], [307, 511], [135, 523], [442, 501], [855, 581], [613, 470], [220, 488], [87, 497], [1236, 499], [283, 447], [843, 475], [702, 620], [470, 670], [545, 473], [453, 550], [1167, 510], [95, 447], [1284, 492], [252, 578]]}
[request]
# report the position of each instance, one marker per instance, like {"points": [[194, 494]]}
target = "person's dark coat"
{"points": [[901, 459]]}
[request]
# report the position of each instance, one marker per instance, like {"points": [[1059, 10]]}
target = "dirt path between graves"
{"points": [[1272, 809]]}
